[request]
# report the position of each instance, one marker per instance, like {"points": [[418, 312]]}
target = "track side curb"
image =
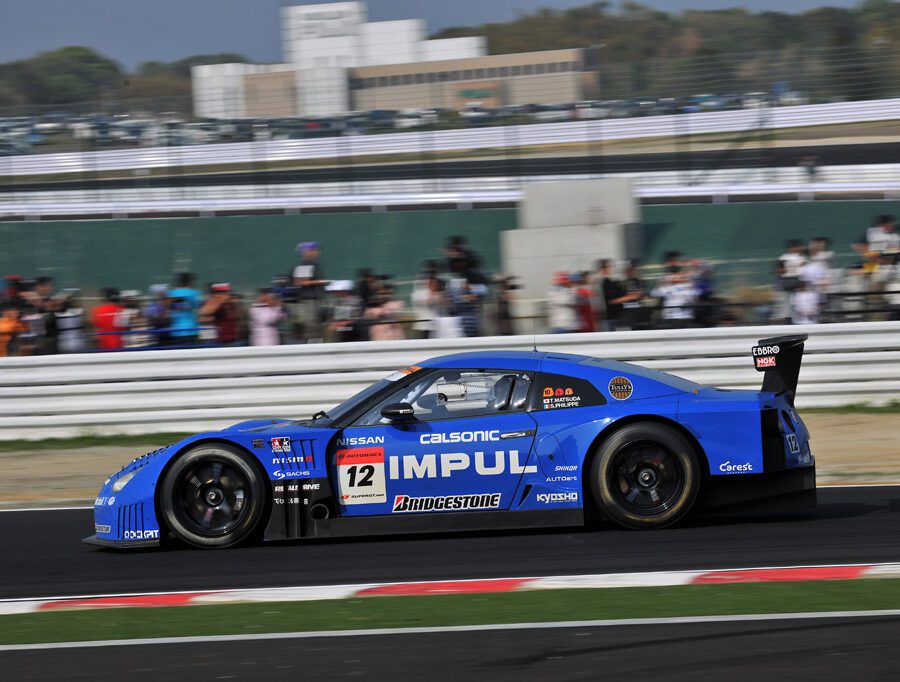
{"points": [[458, 587]]}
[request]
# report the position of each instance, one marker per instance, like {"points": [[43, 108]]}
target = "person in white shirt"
{"points": [[792, 261], [805, 304], [816, 275], [678, 295], [562, 301], [881, 238], [265, 316]]}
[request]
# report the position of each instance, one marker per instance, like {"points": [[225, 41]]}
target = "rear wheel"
{"points": [[645, 475], [213, 496]]}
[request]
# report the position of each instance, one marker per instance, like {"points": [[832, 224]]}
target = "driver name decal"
{"points": [[556, 398]]}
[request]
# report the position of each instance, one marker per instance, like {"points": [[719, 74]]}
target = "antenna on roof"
{"points": [[534, 334]]}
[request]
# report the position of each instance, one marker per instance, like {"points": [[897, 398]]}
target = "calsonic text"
{"points": [[459, 437]]}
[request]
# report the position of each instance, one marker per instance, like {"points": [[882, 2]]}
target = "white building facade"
{"points": [[220, 90], [320, 44]]}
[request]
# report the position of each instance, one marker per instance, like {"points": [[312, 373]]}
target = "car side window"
{"points": [[453, 394], [557, 391]]}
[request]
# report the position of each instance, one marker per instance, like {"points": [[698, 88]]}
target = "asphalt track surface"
{"points": [[42, 554], [820, 649], [754, 155]]}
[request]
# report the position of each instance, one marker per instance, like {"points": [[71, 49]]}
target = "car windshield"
{"points": [[338, 412]]}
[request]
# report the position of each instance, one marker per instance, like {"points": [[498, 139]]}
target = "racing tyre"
{"points": [[213, 496], [645, 475]]}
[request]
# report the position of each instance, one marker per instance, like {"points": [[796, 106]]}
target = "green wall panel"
{"points": [[246, 250], [249, 250], [751, 236]]}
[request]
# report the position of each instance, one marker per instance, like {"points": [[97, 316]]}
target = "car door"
{"points": [[465, 447]]}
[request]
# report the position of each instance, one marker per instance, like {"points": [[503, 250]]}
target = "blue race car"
{"points": [[475, 441]]}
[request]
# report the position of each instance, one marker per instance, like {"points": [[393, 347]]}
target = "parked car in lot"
{"points": [[415, 118], [756, 100], [95, 129], [10, 147]]}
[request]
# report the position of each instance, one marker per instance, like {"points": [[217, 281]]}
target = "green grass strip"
{"points": [[151, 440], [448, 610], [893, 407]]}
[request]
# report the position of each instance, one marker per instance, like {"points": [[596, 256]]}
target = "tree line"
{"points": [[635, 32], [78, 74], [829, 52]]}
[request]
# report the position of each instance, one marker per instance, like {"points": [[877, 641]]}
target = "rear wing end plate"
{"points": [[779, 358]]}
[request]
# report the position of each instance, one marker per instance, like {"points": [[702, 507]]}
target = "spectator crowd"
{"points": [[811, 289], [610, 298], [451, 296], [302, 306]]}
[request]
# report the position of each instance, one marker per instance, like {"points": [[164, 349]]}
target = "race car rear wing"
{"points": [[779, 357]]}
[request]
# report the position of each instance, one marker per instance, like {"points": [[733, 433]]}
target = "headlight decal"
{"points": [[122, 480]]}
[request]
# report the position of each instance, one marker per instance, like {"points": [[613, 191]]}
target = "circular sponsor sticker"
{"points": [[620, 388]]}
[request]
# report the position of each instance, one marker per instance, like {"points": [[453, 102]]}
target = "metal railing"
{"points": [[582, 133], [184, 390], [876, 180]]}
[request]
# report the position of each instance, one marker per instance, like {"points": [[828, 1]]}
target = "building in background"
{"points": [[242, 90], [336, 61], [550, 77], [321, 43]]}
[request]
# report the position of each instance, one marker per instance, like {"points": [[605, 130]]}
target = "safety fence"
{"points": [[275, 153], [185, 390]]}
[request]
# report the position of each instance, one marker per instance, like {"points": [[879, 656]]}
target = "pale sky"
{"points": [[133, 31]]}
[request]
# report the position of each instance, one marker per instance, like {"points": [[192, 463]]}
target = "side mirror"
{"points": [[397, 412]]}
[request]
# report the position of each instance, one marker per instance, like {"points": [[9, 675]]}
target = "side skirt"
{"points": [[440, 522], [120, 544], [793, 489]]}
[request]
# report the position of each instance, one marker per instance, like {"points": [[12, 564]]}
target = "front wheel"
{"points": [[213, 496], [645, 475]]}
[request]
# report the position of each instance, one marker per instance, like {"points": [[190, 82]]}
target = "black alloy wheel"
{"points": [[212, 496], [645, 478], [645, 475]]}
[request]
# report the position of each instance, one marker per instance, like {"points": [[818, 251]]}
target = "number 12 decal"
{"points": [[366, 472], [361, 476]]}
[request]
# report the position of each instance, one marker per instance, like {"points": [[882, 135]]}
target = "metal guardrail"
{"points": [[880, 179], [186, 390], [499, 137]]}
